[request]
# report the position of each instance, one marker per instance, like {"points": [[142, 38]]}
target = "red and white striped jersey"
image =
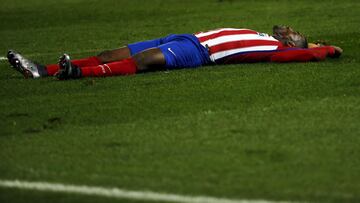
{"points": [[226, 42]]}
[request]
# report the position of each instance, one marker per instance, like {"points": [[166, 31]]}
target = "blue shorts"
{"points": [[180, 51]]}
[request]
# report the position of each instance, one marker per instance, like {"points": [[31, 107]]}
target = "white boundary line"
{"points": [[4, 58], [120, 193]]}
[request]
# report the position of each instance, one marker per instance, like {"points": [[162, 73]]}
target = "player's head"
{"points": [[289, 37]]}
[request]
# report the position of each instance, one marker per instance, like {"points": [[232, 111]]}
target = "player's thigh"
{"points": [[138, 47], [181, 54]]}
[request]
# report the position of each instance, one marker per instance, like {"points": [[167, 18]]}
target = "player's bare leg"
{"points": [[149, 60], [109, 56]]}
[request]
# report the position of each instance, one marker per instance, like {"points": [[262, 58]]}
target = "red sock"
{"points": [[91, 61], [123, 67]]}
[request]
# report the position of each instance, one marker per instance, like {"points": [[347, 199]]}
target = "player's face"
{"points": [[287, 33]]}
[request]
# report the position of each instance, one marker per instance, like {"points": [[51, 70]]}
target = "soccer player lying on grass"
{"points": [[221, 46]]}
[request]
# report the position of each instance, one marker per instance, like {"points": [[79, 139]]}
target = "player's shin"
{"points": [[123, 67], [91, 61]]}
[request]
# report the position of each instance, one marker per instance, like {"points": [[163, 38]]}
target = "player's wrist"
{"points": [[337, 51]]}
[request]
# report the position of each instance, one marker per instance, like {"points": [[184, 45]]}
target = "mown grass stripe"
{"points": [[120, 193]]}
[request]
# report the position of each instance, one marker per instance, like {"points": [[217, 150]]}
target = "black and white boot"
{"points": [[67, 69], [25, 66]]}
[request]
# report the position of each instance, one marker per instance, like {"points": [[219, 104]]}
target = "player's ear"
{"points": [[290, 44]]}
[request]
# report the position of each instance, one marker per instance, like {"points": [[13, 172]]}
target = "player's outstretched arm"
{"points": [[304, 55], [338, 50]]}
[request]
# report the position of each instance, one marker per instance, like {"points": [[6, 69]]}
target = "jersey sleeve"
{"points": [[283, 55], [303, 55]]}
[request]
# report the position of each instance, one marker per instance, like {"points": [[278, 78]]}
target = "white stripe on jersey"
{"points": [[230, 42], [232, 38], [203, 34], [222, 54]]}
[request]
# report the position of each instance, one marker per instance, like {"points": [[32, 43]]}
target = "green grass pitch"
{"points": [[249, 131]]}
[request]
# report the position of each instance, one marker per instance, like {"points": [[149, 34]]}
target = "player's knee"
{"points": [[142, 61], [151, 59], [105, 56]]}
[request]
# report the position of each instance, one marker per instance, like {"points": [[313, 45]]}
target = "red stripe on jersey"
{"points": [[225, 32], [242, 43]]}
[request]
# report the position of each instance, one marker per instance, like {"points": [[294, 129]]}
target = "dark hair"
{"points": [[303, 43]]}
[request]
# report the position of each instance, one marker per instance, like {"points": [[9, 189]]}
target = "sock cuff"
{"points": [[52, 69], [42, 70]]}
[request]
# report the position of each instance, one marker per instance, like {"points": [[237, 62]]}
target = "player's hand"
{"points": [[314, 45], [338, 52]]}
